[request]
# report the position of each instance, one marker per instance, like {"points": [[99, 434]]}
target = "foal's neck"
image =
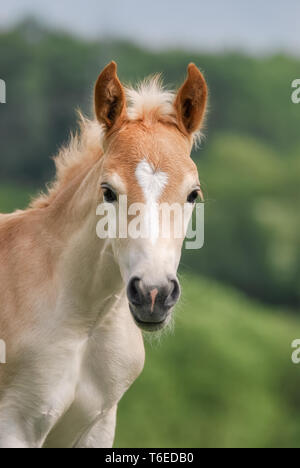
{"points": [[89, 275]]}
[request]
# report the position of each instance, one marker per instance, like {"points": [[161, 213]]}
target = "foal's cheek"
{"points": [[124, 257], [178, 256]]}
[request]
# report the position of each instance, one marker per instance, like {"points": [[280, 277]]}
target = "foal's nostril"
{"points": [[134, 292], [174, 293]]}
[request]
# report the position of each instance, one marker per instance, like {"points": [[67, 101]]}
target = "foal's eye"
{"points": [[109, 195], [193, 196]]}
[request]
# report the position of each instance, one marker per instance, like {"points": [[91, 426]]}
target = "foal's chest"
{"points": [[112, 359]]}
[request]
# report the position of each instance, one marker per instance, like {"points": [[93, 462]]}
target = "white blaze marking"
{"points": [[152, 183]]}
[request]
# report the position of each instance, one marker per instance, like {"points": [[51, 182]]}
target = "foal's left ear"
{"points": [[110, 100], [190, 103]]}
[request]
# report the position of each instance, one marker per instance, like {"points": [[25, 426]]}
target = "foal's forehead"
{"points": [[160, 147]]}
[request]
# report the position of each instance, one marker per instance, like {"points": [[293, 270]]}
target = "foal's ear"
{"points": [[190, 103], [110, 100]]}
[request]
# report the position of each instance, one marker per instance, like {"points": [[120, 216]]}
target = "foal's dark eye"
{"points": [[193, 196], [109, 195]]}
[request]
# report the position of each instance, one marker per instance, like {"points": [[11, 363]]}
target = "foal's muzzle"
{"points": [[151, 305]]}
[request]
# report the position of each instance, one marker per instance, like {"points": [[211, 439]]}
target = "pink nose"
{"points": [[153, 295]]}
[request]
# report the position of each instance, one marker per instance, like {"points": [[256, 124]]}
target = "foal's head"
{"points": [[149, 135]]}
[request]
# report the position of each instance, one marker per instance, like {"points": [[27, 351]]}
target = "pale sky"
{"points": [[253, 25]]}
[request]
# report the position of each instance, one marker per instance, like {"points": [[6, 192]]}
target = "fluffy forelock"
{"points": [[151, 101]]}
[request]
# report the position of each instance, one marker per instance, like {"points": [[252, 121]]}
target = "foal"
{"points": [[73, 305]]}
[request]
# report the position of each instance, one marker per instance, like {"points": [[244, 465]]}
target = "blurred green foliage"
{"points": [[252, 218], [249, 165], [13, 196]]}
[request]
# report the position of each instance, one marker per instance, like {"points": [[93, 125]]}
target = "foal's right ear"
{"points": [[110, 100]]}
